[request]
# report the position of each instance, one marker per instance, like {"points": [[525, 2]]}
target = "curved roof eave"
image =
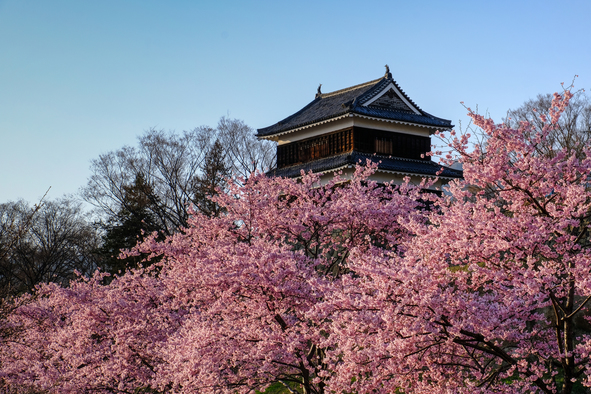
{"points": [[331, 106], [349, 114]]}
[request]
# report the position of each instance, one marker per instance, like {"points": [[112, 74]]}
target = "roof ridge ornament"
{"points": [[357, 100], [388, 75]]}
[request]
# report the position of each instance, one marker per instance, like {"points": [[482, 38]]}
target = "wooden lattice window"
{"points": [[383, 145], [391, 143], [315, 148]]}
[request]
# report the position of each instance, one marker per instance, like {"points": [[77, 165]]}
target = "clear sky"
{"points": [[80, 78]]}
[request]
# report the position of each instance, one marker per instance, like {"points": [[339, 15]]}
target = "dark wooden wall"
{"points": [[358, 139], [315, 148], [407, 146]]}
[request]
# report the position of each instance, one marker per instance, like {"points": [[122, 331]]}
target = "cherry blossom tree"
{"points": [[347, 287], [86, 338], [492, 293], [255, 277], [236, 303]]}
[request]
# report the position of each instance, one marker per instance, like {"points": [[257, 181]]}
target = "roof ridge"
{"points": [[407, 97], [374, 92], [345, 90], [351, 100]]}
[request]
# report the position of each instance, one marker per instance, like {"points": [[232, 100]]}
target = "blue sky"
{"points": [[80, 78]]}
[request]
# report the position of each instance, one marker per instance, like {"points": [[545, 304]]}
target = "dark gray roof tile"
{"points": [[350, 100], [405, 166]]}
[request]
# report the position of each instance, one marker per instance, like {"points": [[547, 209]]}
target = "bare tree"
{"points": [[171, 164], [167, 162], [50, 244], [244, 152], [574, 128]]}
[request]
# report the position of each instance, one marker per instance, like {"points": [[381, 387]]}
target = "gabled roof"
{"points": [[381, 98], [392, 164]]}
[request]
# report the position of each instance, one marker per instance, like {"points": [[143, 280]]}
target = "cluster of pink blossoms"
{"points": [[347, 287]]}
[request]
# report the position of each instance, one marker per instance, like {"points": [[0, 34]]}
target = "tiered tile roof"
{"points": [[382, 100], [391, 164], [351, 101]]}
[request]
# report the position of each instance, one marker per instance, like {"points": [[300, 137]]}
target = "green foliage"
{"points": [[131, 224], [214, 175], [141, 211], [280, 388]]}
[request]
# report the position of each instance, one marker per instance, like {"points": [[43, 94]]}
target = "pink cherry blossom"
{"points": [[345, 287]]}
